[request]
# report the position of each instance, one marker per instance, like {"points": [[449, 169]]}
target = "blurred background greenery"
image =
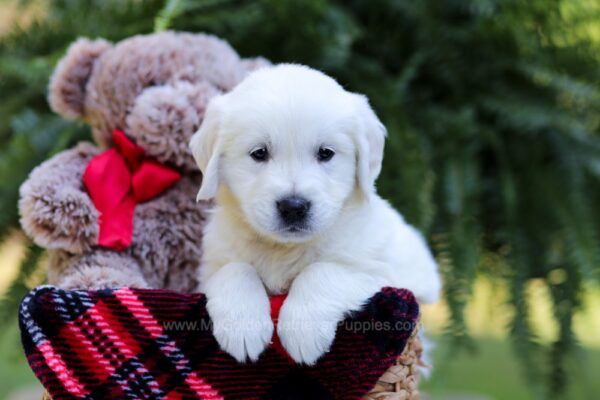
{"points": [[492, 108]]}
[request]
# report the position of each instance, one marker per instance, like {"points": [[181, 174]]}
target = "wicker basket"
{"points": [[399, 382]]}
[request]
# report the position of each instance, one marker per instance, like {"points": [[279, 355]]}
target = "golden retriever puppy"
{"points": [[291, 160]]}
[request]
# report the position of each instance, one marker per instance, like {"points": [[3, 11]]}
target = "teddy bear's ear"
{"points": [[252, 64], [66, 92]]}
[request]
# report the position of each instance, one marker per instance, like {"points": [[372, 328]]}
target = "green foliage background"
{"points": [[491, 107]]}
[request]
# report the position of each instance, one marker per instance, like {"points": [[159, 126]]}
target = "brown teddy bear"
{"points": [[123, 212]]}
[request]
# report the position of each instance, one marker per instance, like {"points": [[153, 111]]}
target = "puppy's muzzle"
{"points": [[293, 210]]}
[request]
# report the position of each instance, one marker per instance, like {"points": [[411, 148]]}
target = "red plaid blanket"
{"points": [[157, 344]]}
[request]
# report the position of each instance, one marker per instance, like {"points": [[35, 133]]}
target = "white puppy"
{"points": [[291, 159]]}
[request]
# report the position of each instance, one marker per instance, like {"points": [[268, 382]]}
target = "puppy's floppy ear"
{"points": [[206, 148], [370, 138]]}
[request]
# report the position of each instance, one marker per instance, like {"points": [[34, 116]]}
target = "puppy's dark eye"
{"points": [[325, 154], [260, 154]]}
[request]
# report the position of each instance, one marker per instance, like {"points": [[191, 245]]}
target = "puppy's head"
{"points": [[290, 146]]}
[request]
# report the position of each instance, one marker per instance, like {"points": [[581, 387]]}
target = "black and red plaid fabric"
{"points": [[157, 344]]}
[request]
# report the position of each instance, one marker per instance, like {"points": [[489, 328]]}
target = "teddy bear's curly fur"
{"points": [[154, 88]]}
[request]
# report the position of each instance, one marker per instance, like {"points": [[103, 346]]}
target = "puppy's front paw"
{"points": [[306, 332], [242, 330]]}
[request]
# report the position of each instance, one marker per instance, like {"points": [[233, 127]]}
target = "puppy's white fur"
{"points": [[353, 243]]}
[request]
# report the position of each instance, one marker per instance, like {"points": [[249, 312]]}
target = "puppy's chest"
{"points": [[278, 269]]}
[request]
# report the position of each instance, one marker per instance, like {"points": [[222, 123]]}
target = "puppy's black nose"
{"points": [[293, 209]]}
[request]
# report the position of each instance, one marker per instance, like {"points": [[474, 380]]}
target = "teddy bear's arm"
{"points": [[56, 212], [98, 269]]}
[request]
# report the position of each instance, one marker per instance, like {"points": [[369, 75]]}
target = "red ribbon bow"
{"points": [[118, 179]]}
